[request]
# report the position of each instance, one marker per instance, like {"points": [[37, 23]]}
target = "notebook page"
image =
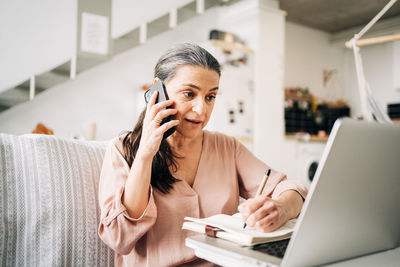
{"points": [[234, 224]]}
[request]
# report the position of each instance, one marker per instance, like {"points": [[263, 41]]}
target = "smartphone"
{"points": [[162, 96]]}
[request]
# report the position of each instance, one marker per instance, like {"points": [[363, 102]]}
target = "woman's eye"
{"points": [[210, 98], [188, 94]]}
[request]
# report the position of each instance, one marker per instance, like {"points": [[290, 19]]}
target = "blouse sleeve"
{"points": [[251, 171], [117, 229]]}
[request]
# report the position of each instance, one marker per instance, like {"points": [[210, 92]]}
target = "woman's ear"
{"points": [[155, 80]]}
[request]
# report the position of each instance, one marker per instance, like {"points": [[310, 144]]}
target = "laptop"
{"points": [[352, 208]]}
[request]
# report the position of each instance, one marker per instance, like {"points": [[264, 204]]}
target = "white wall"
{"points": [[129, 14], [379, 63], [269, 81], [105, 94], [242, 19], [108, 93], [35, 36], [396, 66], [307, 53]]}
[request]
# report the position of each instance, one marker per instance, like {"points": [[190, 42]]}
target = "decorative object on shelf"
{"points": [[224, 36], [42, 129], [332, 112], [236, 62], [332, 90], [303, 114], [228, 42], [298, 113], [327, 75]]}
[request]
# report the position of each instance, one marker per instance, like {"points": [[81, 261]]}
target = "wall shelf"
{"points": [[306, 137], [232, 46]]}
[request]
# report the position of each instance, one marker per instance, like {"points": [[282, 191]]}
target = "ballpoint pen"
{"points": [[261, 187]]}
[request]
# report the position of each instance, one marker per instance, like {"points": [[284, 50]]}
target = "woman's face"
{"points": [[193, 90]]}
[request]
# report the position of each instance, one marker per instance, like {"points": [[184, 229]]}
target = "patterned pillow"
{"points": [[48, 202]]}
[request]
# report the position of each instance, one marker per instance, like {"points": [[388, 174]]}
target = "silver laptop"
{"points": [[352, 209]]}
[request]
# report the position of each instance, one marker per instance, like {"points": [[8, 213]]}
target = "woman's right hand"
{"points": [[152, 131]]}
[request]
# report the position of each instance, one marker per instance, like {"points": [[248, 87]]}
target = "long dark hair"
{"points": [[179, 55]]}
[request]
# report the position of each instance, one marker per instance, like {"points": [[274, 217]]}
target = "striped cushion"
{"points": [[48, 202]]}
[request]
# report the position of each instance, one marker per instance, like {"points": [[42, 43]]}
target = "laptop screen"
{"points": [[352, 208]]}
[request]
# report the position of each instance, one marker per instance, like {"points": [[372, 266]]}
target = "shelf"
{"points": [[232, 46], [298, 97], [307, 137]]}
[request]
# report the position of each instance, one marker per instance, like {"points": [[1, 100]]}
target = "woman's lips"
{"points": [[193, 121]]}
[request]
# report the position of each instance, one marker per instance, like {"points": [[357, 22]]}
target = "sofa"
{"points": [[49, 212]]}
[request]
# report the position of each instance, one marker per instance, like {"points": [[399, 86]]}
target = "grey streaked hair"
{"points": [[184, 54], [179, 55]]}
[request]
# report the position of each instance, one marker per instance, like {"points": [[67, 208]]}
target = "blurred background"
{"points": [[78, 69]]}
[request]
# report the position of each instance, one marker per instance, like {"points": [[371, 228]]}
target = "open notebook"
{"points": [[231, 228]]}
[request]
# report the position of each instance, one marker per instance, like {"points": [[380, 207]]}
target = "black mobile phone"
{"points": [[162, 96]]}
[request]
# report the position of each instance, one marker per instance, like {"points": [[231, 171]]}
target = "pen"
{"points": [[261, 187]]}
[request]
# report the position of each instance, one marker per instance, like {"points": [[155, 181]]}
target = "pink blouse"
{"points": [[226, 171]]}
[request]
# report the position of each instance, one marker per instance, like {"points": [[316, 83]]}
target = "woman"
{"points": [[148, 185]]}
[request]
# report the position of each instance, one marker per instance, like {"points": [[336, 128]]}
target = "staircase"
{"points": [[42, 82]]}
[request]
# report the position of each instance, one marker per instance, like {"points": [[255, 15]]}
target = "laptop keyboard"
{"points": [[276, 248]]}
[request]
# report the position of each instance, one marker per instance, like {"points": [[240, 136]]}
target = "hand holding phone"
{"points": [[162, 96]]}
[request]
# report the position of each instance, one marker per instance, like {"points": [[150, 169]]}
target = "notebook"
{"points": [[231, 228], [352, 208]]}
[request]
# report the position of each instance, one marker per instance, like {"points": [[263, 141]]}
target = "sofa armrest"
{"points": [[49, 211]]}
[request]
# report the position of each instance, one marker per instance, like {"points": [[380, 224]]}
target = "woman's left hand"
{"points": [[264, 213]]}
